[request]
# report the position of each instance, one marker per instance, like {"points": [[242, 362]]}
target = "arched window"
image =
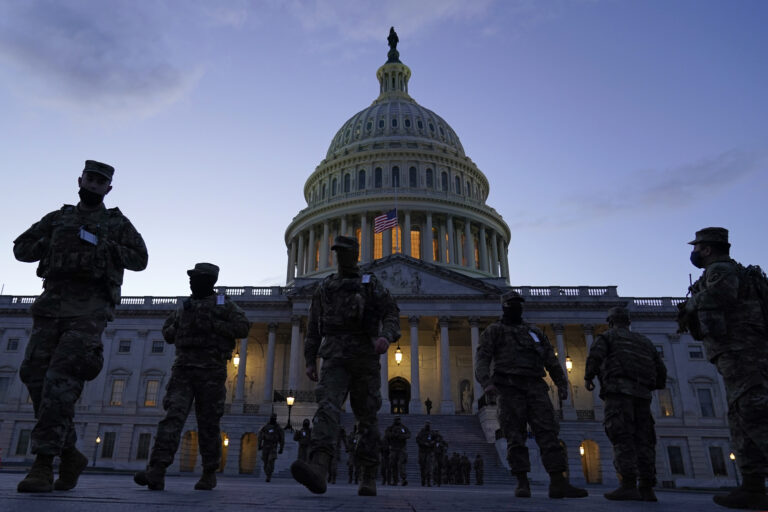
{"points": [[430, 179], [334, 186], [457, 182], [413, 177], [377, 177], [469, 189], [347, 182], [444, 181], [361, 179], [396, 176], [322, 194]]}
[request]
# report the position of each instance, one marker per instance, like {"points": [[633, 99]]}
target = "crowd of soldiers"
{"points": [[83, 250]]}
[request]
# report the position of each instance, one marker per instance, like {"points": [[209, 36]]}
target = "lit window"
{"points": [[396, 247], [665, 403], [416, 243], [447, 250], [150, 398], [158, 346], [124, 346], [477, 252], [13, 345], [435, 245], [358, 235], [463, 252], [118, 386]]}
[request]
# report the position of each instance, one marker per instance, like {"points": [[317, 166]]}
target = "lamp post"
{"points": [[735, 469], [398, 355], [289, 400], [96, 449]]}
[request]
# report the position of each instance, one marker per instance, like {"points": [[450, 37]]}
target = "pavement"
{"points": [[118, 493]]}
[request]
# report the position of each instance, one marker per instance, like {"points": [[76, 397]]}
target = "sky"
{"points": [[609, 130]]}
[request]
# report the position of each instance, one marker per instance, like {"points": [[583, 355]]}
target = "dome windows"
{"points": [[347, 183], [394, 122], [377, 177], [368, 126], [413, 177], [457, 182], [381, 123], [361, 179], [396, 177], [420, 124], [444, 181], [407, 123], [334, 186], [430, 178], [431, 127]]}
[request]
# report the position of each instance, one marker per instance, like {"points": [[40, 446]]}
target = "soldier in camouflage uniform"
{"points": [[386, 468], [426, 442], [441, 458], [271, 443], [629, 368], [728, 311], [83, 251], [303, 436], [520, 353], [346, 313], [396, 436], [203, 330], [352, 465], [478, 465]]}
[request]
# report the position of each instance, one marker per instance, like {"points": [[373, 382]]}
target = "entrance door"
{"points": [[399, 395]]}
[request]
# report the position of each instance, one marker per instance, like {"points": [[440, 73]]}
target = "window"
{"points": [[447, 249], [142, 452], [108, 445], [695, 352], [706, 403], [347, 182], [377, 177], [718, 461], [469, 188], [118, 386], [407, 123], [334, 186], [4, 383], [361, 179], [381, 123], [416, 243], [124, 346], [666, 406], [150, 397], [396, 247], [158, 346], [378, 248], [457, 184], [13, 345], [22, 446], [394, 123], [660, 350], [413, 177], [322, 194], [444, 181], [675, 454], [420, 124], [396, 176], [430, 179]]}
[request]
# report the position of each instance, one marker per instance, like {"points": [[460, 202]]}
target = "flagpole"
{"points": [[397, 217]]}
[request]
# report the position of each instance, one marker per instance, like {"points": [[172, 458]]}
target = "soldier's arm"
{"points": [[129, 250], [314, 336], [390, 315], [720, 293], [595, 358], [169, 328], [484, 356], [551, 362], [32, 244], [233, 324]]}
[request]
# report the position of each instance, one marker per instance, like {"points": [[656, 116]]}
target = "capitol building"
{"points": [[445, 262]]}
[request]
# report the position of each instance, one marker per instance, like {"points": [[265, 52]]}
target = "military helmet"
{"points": [[618, 313], [511, 295], [204, 269], [305, 422], [345, 243], [711, 236]]}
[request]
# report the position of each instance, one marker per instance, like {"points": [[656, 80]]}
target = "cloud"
{"points": [[653, 189], [116, 55]]}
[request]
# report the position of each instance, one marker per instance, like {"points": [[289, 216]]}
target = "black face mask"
{"points": [[697, 259], [273, 420], [201, 286], [512, 312], [347, 261], [90, 199]]}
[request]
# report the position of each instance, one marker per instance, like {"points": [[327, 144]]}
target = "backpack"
{"points": [[759, 283]]}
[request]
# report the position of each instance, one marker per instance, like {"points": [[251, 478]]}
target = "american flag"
{"points": [[385, 221]]}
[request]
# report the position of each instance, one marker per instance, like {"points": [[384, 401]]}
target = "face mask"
{"points": [[90, 199], [347, 261], [697, 259], [201, 286], [512, 312]]}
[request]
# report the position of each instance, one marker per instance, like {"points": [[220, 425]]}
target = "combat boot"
{"points": [[559, 487], [367, 485], [523, 489], [646, 490], [153, 477], [40, 476], [314, 473], [626, 491], [73, 463], [207, 481], [750, 496]]}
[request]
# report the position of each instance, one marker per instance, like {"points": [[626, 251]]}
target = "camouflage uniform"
{"points": [[478, 465], [333, 465], [727, 313], [82, 257], [629, 368], [271, 442], [426, 441], [396, 436], [303, 437], [521, 353], [386, 468], [466, 469], [203, 331], [441, 465], [352, 464]]}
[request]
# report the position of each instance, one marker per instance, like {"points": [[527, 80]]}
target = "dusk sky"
{"points": [[610, 131]]}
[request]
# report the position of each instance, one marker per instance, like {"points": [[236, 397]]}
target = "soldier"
{"points": [[303, 437], [83, 251], [271, 443], [203, 330], [428, 406], [333, 467], [441, 455], [466, 468], [478, 469], [426, 441], [520, 353], [396, 435], [345, 314], [352, 465], [386, 468], [728, 311], [629, 368]]}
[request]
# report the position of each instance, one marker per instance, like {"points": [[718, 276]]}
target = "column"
{"points": [[441, 243], [407, 235], [451, 240], [365, 255], [415, 407], [291, 261], [474, 333], [269, 377], [324, 246], [483, 249], [597, 403], [386, 242], [300, 257], [239, 400], [386, 406], [447, 405], [343, 226], [311, 251], [459, 249], [569, 413], [293, 368], [469, 244], [504, 261], [429, 253], [495, 254]]}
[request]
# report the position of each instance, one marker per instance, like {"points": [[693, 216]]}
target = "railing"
{"points": [[654, 302], [301, 395], [251, 409], [567, 291], [585, 414]]}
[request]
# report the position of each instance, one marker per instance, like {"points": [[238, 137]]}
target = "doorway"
{"points": [[399, 395]]}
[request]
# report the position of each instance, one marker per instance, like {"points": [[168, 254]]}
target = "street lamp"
{"points": [[568, 364], [96, 449], [236, 359], [735, 469], [398, 355], [226, 441], [581, 449], [289, 400]]}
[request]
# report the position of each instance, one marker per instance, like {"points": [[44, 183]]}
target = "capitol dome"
{"points": [[398, 155]]}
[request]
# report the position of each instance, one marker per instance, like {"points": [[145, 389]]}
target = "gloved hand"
{"points": [[562, 393], [589, 385]]}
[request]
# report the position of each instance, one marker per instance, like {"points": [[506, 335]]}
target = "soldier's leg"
{"points": [[210, 394], [620, 428], [177, 403], [645, 442], [37, 357], [365, 399], [512, 420], [329, 393]]}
